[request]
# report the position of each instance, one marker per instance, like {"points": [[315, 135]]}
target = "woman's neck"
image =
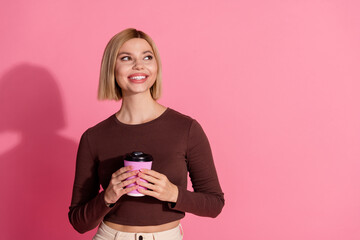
{"points": [[140, 108]]}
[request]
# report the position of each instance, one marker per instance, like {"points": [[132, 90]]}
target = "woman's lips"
{"points": [[138, 78]]}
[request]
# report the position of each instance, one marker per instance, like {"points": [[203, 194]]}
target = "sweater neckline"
{"points": [[141, 124]]}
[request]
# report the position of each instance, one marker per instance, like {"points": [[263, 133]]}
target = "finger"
{"points": [[152, 173], [148, 192], [122, 170], [123, 186], [149, 178], [125, 183], [126, 175], [129, 189], [146, 185]]}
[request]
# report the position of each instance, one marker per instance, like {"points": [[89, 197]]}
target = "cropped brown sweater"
{"points": [[178, 146]]}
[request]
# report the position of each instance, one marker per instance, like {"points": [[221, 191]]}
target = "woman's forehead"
{"points": [[135, 45]]}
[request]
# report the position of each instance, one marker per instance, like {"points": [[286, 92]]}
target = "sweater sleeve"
{"points": [[87, 205], [207, 199]]}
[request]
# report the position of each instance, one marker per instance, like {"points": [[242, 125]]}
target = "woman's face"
{"points": [[136, 67]]}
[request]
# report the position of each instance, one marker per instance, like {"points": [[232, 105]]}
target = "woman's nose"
{"points": [[138, 65]]}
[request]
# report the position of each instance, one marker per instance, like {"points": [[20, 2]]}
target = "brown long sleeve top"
{"points": [[178, 145]]}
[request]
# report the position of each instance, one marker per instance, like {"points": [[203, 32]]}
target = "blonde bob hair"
{"points": [[108, 88]]}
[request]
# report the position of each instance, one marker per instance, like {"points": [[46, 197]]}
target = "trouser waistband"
{"points": [[168, 234]]}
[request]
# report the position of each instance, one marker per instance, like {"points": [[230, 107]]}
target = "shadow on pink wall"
{"points": [[35, 176]]}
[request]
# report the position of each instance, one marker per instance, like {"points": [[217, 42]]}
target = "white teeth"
{"points": [[138, 77]]}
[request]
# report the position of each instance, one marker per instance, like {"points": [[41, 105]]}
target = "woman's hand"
{"points": [[118, 183], [160, 185]]}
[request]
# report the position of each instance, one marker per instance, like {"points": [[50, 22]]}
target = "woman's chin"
{"points": [[138, 92]]}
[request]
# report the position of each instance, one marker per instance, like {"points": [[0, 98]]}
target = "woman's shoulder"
{"points": [[181, 121], [178, 116], [102, 126]]}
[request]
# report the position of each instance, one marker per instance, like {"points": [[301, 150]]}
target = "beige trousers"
{"points": [[107, 233]]}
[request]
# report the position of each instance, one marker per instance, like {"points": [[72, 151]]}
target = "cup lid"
{"points": [[138, 157]]}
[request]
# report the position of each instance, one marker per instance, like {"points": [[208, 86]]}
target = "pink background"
{"points": [[275, 85]]}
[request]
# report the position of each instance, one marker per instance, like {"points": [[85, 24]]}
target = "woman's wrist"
{"points": [[175, 195], [108, 204]]}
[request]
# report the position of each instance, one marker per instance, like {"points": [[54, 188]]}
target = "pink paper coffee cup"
{"points": [[137, 160]]}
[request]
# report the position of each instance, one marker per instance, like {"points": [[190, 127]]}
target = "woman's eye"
{"points": [[126, 58], [148, 57]]}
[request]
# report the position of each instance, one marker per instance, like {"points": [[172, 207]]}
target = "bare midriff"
{"points": [[143, 229]]}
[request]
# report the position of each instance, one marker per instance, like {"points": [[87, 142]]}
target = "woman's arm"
{"points": [[207, 198], [87, 205]]}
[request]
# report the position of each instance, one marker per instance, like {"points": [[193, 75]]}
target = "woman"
{"points": [[131, 71]]}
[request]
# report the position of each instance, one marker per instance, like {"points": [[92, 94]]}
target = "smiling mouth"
{"points": [[138, 77]]}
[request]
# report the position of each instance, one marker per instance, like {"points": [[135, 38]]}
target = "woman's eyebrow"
{"points": [[123, 53], [127, 53], [148, 51]]}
